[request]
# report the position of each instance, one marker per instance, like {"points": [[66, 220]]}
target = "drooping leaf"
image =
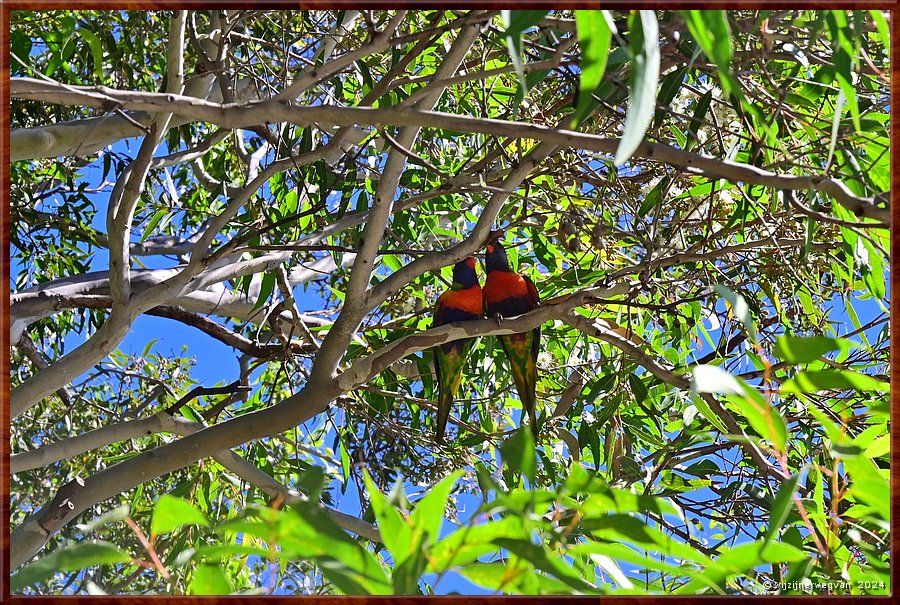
{"points": [[265, 290], [781, 507], [814, 381], [710, 30], [71, 558], [154, 222], [595, 29], [429, 510], [644, 83], [804, 349], [518, 452], [170, 513], [516, 22]]}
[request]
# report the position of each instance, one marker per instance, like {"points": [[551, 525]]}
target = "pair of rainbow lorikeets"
{"points": [[505, 294]]}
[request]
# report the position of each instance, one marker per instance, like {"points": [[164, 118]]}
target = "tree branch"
{"points": [[237, 116]]}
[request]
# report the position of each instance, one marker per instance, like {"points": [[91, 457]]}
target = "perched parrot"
{"points": [[507, 294], [462, 302]]}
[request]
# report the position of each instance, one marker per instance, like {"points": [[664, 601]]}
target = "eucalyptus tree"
{"points": [[700, 197]]}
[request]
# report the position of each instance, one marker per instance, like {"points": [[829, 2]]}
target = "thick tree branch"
{"points": [[91, 290], [30, 351], [237, 116], [163, 422]]}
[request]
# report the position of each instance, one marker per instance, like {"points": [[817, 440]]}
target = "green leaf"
{"points": [[620, 552], [764, 418], [638, 388], [71, 558], [595, 30], [813, 381], [843, 59], [845, 450], [741, 559], [518, 452], [626, 528], [217, 551], [265, 289], [699, 115], [708, 413], [644, 84], [170, 513], [470, 542], [493, 576], [868, 485], [516, 23], [545, 561], [311, 482], [873, 270], [188, 412], [883, 31], [153, 223], [345, 460], [395, 532], [805, 349], [835, 126], [20, 50], [668, 89], [704, 468], [306, 532], [406, 574], [741, 310], [781, 507], [430, 510], [879, 447], [745, 400], [710, 30], [117, 514], [93, 41], [209, 580]]}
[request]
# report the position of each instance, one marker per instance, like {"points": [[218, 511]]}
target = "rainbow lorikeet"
{"points": [[462, 302], [507, 294]]}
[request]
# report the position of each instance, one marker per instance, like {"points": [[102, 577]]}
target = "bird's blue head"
{"points": [[495, 258], [464, 274]]}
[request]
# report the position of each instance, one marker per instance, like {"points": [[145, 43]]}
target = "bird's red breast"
{"points": [[501, 285], [467, 301]]}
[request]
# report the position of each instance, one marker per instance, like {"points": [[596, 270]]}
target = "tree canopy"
{"points": [[278, 199]]}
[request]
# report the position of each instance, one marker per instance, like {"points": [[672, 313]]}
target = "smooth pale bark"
{"points": [[240, 116]]}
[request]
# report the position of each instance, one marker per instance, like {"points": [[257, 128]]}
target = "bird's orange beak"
{"points": [[490, 249], [470, 262]]}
